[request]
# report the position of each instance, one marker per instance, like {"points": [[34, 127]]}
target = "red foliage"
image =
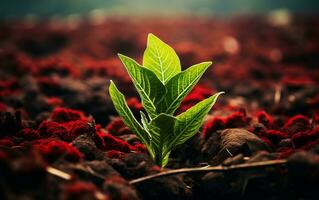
{"points": [[115, 154], [216, 123], [236, 120], [29, 134], [285, 152], [265, 119], [80, 190], [7, 141], [53, 150], [113, 143], [117, 127], [199, 93], [54, 101], [296, 124], [305, 137], [3, 107], [275, 136], [50, 128], [77, 128], [60, 114]]}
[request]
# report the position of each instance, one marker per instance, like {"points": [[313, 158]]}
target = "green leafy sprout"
{"points": [[162, 85]]}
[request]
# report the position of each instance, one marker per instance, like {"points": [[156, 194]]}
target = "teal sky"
{"points": [[47, 8]]}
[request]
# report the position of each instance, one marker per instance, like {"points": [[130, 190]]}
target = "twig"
{"points": [[210, 169], [58, 173]]}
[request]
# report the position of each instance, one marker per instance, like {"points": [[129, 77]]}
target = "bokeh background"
{"points": [[49, 8], [57, 58]]}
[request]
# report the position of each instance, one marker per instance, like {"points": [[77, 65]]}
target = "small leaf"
{"points": [[161, 59], [180, 85], [150, 89], [191, 120], [124, 111]]}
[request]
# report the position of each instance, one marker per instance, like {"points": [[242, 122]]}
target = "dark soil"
{"points": [[56, 112]]}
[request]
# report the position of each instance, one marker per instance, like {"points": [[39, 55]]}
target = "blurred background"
{"points": [[48, 8], [265, 52]]}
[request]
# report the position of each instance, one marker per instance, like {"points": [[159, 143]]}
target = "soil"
{"points": [[56, 112]]}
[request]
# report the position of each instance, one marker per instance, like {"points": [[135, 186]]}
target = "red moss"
{"points": [[267, 141], [54, 101], [285, 152], [115, 154], [113, 143], [77, 128], [80, 190], [265, 119], [3, 107], [60, 114], [296, 124], [7, 141], [48, 82], [3, 156], [52, 65], [199, 93], [275, 136], [50, 128], [134, 104], [303, 138], [117, 127], [140, 147], [29, 134], [53, 150], [216, 123], [236, 120]]}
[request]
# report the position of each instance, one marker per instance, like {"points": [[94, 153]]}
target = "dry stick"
{"points": [[210, 169]]}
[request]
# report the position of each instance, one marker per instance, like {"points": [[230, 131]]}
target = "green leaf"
{"points": [[190, 121], [150, 89], [124, 111], [162, 131], [180, 85], [161, 59]]}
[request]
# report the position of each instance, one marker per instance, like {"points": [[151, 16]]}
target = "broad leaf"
{"points": [[161, 59], [162, 131], [190, 121], [124, 111], [150, 89], [180, 85]]}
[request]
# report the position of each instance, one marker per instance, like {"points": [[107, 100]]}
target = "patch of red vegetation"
{"points": [[296, 124], [52, 150], [113, 143], [117, 127], [56, 66], [276, 136], [29, 134], [115, 154], [234, 120], [199, 92], [134, 104], [305, 137], [265, 119], [61, 114], [54, 101], [215, 124], [81, 190], [3, 107], [7, 141], [51, 128]]}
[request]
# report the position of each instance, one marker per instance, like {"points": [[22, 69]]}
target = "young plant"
{"points": [[162, 86]]}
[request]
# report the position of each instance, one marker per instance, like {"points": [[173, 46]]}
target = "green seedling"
{"points": [[162, 86]]}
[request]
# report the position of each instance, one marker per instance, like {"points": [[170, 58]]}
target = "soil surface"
{"points": [[56, 113]]}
